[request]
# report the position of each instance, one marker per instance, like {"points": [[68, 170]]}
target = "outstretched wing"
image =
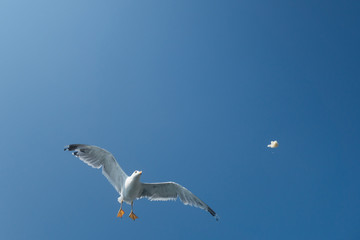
{"points": [[97, 157], [170, 191]]}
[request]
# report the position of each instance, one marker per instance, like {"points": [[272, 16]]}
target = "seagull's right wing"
{"points": [[171, 191], [97, 157]]}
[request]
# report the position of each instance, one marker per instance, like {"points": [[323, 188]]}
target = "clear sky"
{"points": [[186, 91]]}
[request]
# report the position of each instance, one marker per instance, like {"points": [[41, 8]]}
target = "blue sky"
{"points": [[187, 91]]}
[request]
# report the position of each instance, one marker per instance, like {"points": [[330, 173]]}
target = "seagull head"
{"points": [[136, 174]]}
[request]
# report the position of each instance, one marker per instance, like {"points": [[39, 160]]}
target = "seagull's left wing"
{"points": [[170, 191], [98, 157]]}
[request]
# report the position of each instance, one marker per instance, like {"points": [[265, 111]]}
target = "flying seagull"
{"points": [[129, 187]]}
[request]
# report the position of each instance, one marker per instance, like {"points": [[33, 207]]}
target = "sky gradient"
{"points": [[186, 91]]}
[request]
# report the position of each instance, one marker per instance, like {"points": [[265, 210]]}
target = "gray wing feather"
{"points": [[97, 157], [171, 191]]}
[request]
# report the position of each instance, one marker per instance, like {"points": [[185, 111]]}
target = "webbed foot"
{"points": [[133, 216], [120, 213]]}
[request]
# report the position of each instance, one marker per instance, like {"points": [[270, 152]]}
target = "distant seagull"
{"points": [[129, 187], [273, 144]]}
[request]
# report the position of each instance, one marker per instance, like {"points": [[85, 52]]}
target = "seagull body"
{"points": [[131, 188]]}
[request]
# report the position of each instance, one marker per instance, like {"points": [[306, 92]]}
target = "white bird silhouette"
{"points": [[273, 144], [129, 187]]}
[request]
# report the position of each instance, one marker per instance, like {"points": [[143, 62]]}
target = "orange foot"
{"points": [[133, 216], [120, 213]]}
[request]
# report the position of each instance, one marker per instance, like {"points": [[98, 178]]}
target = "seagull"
{"points": [[273, 144], [129, 187]]}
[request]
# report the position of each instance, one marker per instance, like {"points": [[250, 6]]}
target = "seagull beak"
{"points": [[140, 172]]}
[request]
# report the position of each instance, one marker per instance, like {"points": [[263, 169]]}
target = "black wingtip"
{"points": [[71, 147], [213, 213]]}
